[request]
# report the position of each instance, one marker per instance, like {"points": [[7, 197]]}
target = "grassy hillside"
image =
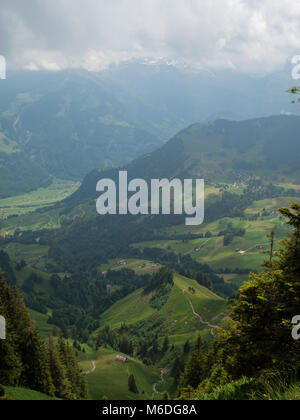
{"points": [[110, 378], [131, 309], [177, 314], [190, 309], [24, 394]]}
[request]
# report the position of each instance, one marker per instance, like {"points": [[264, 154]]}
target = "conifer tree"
{"points": [[23, 344], [25, 360], [132, 385], [187, 347], [165, 344], [166, 396], [74, 375], [193, 373], [58, 371]]}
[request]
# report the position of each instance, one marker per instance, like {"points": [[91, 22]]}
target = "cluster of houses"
{"points": [[151, 264], [259, 247], [120, 263]]}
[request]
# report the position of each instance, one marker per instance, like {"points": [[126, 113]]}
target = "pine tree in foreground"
{"points": [[25, 360], [23, 356]]}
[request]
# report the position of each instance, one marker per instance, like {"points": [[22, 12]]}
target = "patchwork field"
{"points": [[34, 255], [244, 252], [34, 200], [26, 212], [271, 205]]}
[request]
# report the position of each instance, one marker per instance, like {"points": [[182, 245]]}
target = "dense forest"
{"points": [[26, 361]]}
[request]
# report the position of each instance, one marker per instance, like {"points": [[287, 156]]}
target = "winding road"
{"points": [[163, 372], [88, 372], [206, 323]]}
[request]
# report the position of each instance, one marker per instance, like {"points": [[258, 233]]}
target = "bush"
{"points": [[2, 391], [241, 390]]}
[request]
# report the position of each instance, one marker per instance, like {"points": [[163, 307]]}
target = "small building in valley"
{"points": [[122, 359]]}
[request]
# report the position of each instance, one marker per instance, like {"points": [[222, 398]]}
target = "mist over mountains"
{"points": [[65, 124]]}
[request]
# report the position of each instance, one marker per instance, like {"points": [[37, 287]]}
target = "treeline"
{"points": [[76, 301], [81, 298], [25, 360], [7, 268], [231, 232], [258, 339], [188, 267], [161, 284], [141, 344]]}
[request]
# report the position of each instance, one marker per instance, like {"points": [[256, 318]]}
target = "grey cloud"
{"points": [[247, 35]]}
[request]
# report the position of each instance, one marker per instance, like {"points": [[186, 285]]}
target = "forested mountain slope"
{"points": [[223, 151]]}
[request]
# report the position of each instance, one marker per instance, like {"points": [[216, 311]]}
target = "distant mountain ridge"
{"points": [[223, 151], [65, 125]]}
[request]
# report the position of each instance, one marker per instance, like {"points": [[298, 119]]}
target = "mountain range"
{"points": [[66, 124], [222, 151]]}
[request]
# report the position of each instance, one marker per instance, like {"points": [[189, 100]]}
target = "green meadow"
{"points": [[43, 197], [110, 378], [177, 313], [24, 394], [24, 212]]}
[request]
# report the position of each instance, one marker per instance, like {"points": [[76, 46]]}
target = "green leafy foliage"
{"points": [[259, 334]]}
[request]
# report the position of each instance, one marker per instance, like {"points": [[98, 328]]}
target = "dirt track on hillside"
{"points": [[88, 372], [163, 372], [206, 323]]}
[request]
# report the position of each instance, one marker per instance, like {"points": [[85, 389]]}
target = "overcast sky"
{"points": [[247, 35]]}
